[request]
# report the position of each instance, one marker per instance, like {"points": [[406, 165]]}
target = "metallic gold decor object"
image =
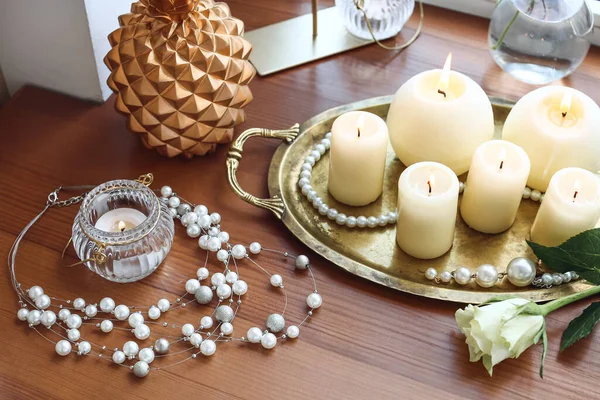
{"points": [[373, 253], [180, 70]]}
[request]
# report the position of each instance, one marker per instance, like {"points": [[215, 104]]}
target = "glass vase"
{"points": [[387, 17], [123, 255], [540, 41]]}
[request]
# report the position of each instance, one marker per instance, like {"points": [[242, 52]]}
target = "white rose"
{"points": [[501, 330]]}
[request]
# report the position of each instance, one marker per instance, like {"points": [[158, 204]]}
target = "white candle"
{"points": [[558, 127], [120, 220], [440, 115], [357, 156], [427, 206], [494, 187], [571, 205]]}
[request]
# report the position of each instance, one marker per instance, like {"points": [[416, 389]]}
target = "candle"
{"points": [[120, 220], [558, 128], [427, 206], [571, 205], [440, 115], [494, 187], [357, 156]]}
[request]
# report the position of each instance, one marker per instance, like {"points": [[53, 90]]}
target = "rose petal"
{"points": [[520, 332]]}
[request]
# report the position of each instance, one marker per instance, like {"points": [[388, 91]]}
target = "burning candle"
{"points": [[494, 186], [120, 220], [440, 115], [357, 156], [427, 206], [571, 205]]}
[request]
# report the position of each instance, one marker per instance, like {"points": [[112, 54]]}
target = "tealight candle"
{"points": [[571, 205], [558, 128], [494, 187], [427, 206], [357, 156], [120, 220], [440, 115]]}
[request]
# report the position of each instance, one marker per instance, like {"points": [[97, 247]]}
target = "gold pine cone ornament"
{"points": [[180, 70]]}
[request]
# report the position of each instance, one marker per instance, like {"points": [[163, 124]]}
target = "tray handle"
{"points": [[275, 203]]}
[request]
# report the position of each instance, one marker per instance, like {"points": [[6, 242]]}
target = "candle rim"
{"points": [[379, 122], [450, 191], [555, 193], [515, 148], [466, 82]]}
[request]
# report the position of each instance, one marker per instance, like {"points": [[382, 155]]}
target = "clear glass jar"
{"points": [[123, 255], [387, 17], [540, 41]]}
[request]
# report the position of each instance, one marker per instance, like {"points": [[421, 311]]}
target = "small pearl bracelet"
{"points": [[350, 221]]}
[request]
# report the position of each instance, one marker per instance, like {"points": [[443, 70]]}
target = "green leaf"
{"points": [[581, 326]]}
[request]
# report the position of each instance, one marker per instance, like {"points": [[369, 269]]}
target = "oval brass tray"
{"points": [[373, 253]]}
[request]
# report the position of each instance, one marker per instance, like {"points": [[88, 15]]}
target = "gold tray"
{"points": [[373, 253]]}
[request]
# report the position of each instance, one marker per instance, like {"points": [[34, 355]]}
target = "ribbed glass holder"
{"points": [[130, 255]]}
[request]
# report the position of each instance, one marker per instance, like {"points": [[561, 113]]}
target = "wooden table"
{"points": [[365, 342]]}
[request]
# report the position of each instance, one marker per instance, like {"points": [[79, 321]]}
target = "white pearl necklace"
{"points": [[36, 306]]}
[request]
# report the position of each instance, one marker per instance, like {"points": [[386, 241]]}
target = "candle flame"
{"points": [[121, 226], [431, 182], [502, 156], [445, 76], [565, 104], [360, 124]]}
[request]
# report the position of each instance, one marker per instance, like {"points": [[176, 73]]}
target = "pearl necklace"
{"points": [[36, 305]]}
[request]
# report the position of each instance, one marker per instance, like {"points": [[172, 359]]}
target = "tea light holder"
{"points": [[123, 231]]}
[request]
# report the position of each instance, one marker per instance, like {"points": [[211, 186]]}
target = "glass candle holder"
{"points": [[122, 231], [387, 17]]}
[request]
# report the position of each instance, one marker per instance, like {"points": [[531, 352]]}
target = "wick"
{"points": [[122, 229], [440, 91], [575, 196], [564, 114], [358, 129], [501, 164], [429, 184]]}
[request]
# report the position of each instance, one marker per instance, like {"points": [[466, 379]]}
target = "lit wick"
{"points": [[444, 81], [360, 124], [358, 129], [429, 184], [565, 104], [121, 226], [440, 91]]}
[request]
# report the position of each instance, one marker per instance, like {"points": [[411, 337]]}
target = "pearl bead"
{"points": [[276, 280], [183, 209], [79, 304], [462, 275], [392, 216], [203, 295], [84, 348], [268, 341], [567, 277], [557, 279], [173, 212], [196, 339], [91, 310], [201, 210], [215, 218], [63, 314], [303, 182], [48, 318], [430, 273], [226, 328], [255, 247], [486, 275], [73, 321], [161, 346], [361, 221], [63, 348], [574, 275], [214, 244], [351, 222], [382, 220], [323, 209], [22, 314], [208, 348], [142, 332], [314, 300], [118, 357], [222, 255], [107, 304], [193, 230], [73, 335], [305, 174], [166, 191], [547, 279], [520, 271], [240, 288], [204, 221], [146, 355], [238, 251], [341, 219], [526, 193], [174, 202], [371, 222], [154, 313], [231, 277], [254, 335], [217, 279], [130, 348], [203, 242], [302, 262], [306, 167], [293, 331], [42, 302], [206, 322], [163, 305], [223, 291], [141, 368], [536, 195], [315, 154], [461, 187], [202, 273], [320, 148], [189, 218], [310, 160], [121, 312], [332, 213], [106, 326], [34, 292], [224, 314], [187, 329], [445, 276], [276, 322], [192, 285], [223, 237]]}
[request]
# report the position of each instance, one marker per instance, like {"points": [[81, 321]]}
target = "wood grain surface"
{"points": [[365, 342]]}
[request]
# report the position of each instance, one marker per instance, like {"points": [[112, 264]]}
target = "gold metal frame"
{"points": [[373, 253]]}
